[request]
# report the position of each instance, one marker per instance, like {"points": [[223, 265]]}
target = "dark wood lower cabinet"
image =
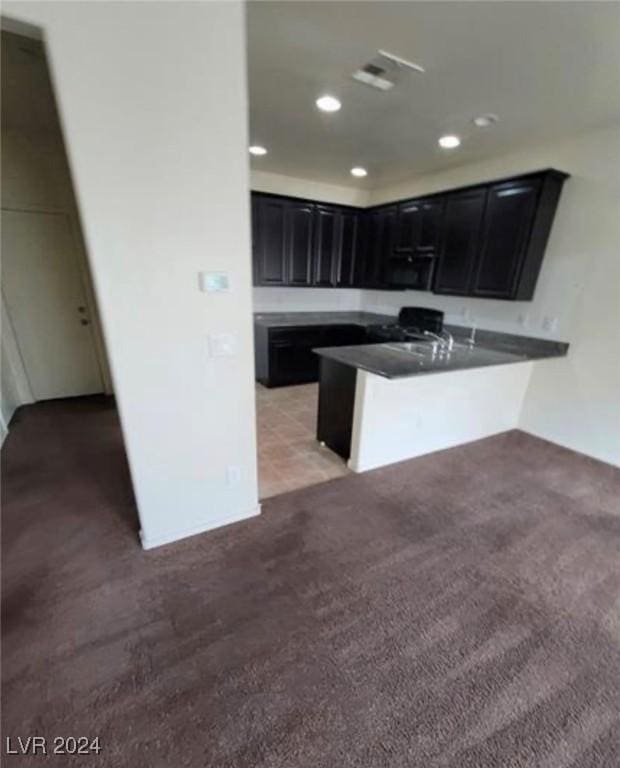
{"points": [[284, 356]]}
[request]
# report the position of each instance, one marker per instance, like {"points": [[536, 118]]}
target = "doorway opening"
{"points": [[56, 382], [52, 341]]}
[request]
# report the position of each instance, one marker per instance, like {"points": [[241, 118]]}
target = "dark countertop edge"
{"points": [[327, 353], [335, 317], [334, 353]]}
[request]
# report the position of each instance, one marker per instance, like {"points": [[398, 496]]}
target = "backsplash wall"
{"points": [[306, 299], [520, 317]]}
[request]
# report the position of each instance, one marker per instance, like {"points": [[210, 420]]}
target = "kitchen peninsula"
{"points": [[382, 403]]}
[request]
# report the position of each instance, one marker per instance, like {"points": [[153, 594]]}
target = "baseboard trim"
{"points": [[610, 461], [150, 542]]}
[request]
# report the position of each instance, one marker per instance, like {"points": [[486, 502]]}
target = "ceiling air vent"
{"points": [[382, 71]]}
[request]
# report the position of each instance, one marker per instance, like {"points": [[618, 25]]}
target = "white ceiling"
{"points": [[548, 69]]}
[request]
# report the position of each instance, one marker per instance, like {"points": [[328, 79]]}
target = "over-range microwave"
{"points": [[413, 271]]}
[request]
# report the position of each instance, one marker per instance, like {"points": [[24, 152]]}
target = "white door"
{"points": [[45, 298]]}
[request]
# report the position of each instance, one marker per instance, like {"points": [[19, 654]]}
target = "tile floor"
{"points": [[289, 455]]}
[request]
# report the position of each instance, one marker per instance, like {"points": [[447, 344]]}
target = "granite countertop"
{"points": [[399, 360], [293, 319]]}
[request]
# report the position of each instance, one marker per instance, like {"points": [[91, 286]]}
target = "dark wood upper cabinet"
{"points": [[299, 229], [486, 240], [326, 245], [459, 243], [369, 267], [407, 227], [385, 242], [346, 265], [429, 229], [255, 220], [381, 241], [418, 226], [506, 228], [529, 259], [271, 268]]}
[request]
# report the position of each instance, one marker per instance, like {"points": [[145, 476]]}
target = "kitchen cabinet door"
{"points": [[361, 250], [300, 226], [327, 222], [460, 241], [347, 250], [369, 272], [343, 335], [429, 228], [381, 238], [255, 224], [506, 228], [271, 257], [291, 359], [417, 226], [408, 223]]}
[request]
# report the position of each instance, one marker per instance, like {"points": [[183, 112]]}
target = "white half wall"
{"points": [[398, 419], [162, 182]]}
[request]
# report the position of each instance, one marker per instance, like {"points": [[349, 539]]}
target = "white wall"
{"points": [[279, 184], [574, 401], [274, 299], [398, 419], [162, 182]]}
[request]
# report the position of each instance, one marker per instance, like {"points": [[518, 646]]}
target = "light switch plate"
{"points": [[214, 282], [222, 344]]}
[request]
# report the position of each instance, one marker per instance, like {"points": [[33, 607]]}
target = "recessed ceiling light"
{"points": [[449, 142], [359, 172], [257, 150], [484, 121], [328, 103]]}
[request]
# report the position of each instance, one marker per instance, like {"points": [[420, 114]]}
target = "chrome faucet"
{"points": [[445, 339]]}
